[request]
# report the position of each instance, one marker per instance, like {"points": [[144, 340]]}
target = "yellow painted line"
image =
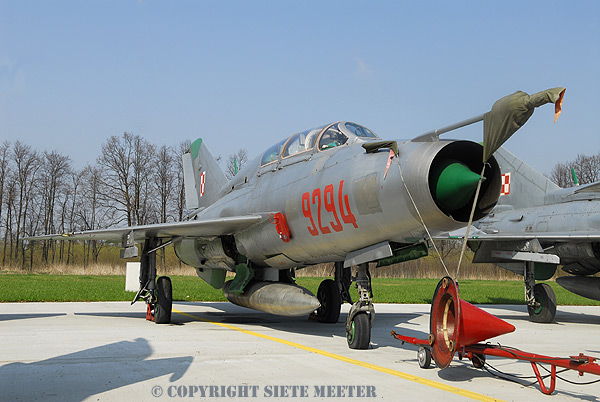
{"points": [[409, 377]]}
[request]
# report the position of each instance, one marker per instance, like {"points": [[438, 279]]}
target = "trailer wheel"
{"points": [[478, 360], [424, 357]]}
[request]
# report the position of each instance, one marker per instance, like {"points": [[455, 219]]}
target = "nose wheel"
{"points": [[362, 313], [359, 334]]}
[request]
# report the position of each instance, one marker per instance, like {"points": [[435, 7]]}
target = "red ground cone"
{"points": [[477, 325], [455, 322]]}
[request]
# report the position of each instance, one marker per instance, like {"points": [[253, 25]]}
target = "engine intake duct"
{"points": [[453, 178]]}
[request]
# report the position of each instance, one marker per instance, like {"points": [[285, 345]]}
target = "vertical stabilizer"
{"points": [[522, 185], [203, 178]]}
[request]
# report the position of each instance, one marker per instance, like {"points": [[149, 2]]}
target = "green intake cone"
{"points": [[455, 185]]}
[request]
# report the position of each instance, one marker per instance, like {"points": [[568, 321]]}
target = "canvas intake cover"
{"points": [[510, 113]]}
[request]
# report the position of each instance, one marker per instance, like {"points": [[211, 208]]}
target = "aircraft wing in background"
{"points": [[479, 235]]}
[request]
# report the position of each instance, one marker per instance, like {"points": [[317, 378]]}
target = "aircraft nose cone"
{"points": [[454, 184]]}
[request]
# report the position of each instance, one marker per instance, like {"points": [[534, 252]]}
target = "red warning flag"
{"points": [[558, 105]]}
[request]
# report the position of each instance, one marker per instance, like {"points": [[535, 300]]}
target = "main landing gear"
{"points": [[332, 293], [540, 298], [157, 293]]}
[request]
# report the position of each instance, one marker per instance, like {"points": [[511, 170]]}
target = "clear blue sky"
{"points": [[243, 74]]}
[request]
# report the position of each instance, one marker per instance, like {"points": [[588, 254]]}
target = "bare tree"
{"points": [[53, 174], [587, 169], [561, 175], [91, 214], [235, 163], [26, 163], [4, 172], [127, 162], [144, 162], [9, 200], [163, 179], [180, 190]]}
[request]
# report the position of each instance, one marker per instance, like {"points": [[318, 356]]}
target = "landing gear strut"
{"points": [[332, 293], [157, 293], [540, 298], [362, 313]]}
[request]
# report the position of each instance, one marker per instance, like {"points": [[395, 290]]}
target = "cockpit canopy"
{"points": [[327, 137]]}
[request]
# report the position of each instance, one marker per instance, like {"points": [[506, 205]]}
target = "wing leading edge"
{"points": [[205, 228]]}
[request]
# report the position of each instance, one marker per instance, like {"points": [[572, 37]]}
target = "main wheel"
{"points": [[359, 335], [424, 357], [331, 301], [164, 303], [546, 311]]}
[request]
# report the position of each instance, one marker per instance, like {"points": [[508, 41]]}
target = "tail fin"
{"points": [[522, 186], [202, 176]]}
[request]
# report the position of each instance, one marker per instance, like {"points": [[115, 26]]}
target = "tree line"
{"points": [[587, 170], [132, 182]]}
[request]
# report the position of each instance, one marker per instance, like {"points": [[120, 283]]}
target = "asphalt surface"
{"points": [[218, 351]]}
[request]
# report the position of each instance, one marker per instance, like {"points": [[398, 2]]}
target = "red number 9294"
{"points": [[326, 199]]}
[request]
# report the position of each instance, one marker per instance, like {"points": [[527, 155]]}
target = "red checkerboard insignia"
{"points": [[202, 183], [505, 189]]}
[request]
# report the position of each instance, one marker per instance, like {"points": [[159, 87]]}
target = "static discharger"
{"points": [[459, 326]]}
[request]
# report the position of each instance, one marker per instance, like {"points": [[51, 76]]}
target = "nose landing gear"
{"points": [[332, 293]]}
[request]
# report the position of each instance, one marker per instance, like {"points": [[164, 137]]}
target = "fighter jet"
{"points": [[537, 226], [336, 193]]}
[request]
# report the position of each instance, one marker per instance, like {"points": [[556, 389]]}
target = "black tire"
{"points": [[331, 302], [164, 303], [359, 335], [478, 360], [424, 357], [546, 311]]}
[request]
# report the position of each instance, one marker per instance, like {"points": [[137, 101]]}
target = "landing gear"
{"points": [[540, 298], [331, 301], [544, 308], [359, 334], [164, 302], [157, 293], [332, 293], [362, 313]]}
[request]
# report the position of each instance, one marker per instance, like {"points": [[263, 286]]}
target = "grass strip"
{"points": [[84, 288]]}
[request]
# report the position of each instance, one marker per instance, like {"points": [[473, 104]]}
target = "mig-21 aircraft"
{"points": [[537, 226], [336, 193]]}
